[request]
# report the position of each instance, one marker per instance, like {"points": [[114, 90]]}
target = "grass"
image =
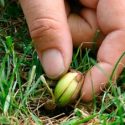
{"points": [[24, 96]]}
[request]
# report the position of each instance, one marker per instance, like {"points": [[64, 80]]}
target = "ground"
{"points": [[24, 96]]}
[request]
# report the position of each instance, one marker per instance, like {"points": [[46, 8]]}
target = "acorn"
{"points": [[68, 88]]}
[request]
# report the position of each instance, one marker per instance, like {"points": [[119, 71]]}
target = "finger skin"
{"points": [[111, 49], [48, 27], [83, 27], [113, 18], [90, 3], [108, 54]]}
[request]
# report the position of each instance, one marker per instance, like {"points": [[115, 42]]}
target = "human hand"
{"points": [[53, 27]]}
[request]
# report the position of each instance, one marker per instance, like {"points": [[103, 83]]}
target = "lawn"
{"points": [[24, 95]]}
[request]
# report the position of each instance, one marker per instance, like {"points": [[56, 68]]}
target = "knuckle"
{"points": [[42, 27]]}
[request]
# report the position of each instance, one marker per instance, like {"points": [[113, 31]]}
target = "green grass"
{"points": [[23, 95]]}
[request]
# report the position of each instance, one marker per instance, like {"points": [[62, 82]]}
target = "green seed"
{"points": [[68, 88]]}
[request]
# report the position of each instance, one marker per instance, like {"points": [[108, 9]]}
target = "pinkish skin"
{"points": [[53, 28]]}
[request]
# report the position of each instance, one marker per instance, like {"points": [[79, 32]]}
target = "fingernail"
{"points": [[52, 62]]}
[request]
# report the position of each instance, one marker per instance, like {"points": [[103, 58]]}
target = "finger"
{"points": [[90, 3], [111, 49], [83, 28], [108, 54], [48, 27], [111, 19]]}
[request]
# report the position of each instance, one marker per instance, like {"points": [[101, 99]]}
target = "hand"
{"points": [[53, 27]]}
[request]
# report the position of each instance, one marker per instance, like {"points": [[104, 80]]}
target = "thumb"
{"points": [[49, 30]]}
